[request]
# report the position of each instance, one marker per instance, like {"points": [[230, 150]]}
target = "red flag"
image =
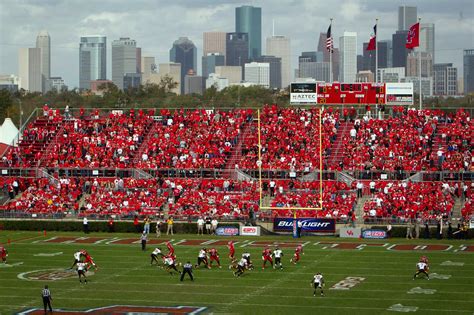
{"points": [[372, 42], [413, 37]]}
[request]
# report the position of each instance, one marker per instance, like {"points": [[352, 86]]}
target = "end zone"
{"points": [[123, 310]]}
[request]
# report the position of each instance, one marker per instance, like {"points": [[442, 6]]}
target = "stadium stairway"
{"points": [[245, 139], [150, 131], [360, 208], [458, 204], [337, 147]]}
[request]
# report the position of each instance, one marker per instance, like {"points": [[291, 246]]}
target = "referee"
{"points": [[187, 269], [46, 294]]}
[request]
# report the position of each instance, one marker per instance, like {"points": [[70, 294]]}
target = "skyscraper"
{"points": [[184, 52], [399, 51], [209, 63], [311, 65], [214, 42], [92, 60], [275, 70], [427, 39], [43, 42], [369, 57], [468, 71], [413, 61], [445, 79], [124, 59], [258, 73], [29, 69], [335, 55], [348, 57], [237, 47], [407, 16], [248, 19], [279, 46]]}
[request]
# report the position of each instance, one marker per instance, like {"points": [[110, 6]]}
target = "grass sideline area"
{"points": [[125, 276]]}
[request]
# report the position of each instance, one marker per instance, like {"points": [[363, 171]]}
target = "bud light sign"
{"points": [[227, 231], [377, 234], [309, 225]]}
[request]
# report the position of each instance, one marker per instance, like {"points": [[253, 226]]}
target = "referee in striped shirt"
{"points": [[46, 294]]}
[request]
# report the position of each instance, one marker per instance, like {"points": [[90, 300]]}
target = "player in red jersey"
{"points": [[424, 259], [267, 256], [170, 249], [230, 245], [214, 256], [3, 254], [296, 256], [90, 261]]}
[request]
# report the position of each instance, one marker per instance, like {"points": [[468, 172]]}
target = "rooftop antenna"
{"points": [[273, 30]]}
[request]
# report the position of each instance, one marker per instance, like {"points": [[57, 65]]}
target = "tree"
{"points": [[167, 84]]}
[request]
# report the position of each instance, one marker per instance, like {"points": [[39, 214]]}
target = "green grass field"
{"points": [[125, 276]]}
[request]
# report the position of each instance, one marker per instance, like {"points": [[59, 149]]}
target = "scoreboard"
{"points": [[351, 93]]}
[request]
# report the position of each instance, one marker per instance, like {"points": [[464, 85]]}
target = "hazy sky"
{"points": [[155, 24]]}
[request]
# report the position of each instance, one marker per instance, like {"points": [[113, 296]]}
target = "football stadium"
{"points": [[244, 190]]}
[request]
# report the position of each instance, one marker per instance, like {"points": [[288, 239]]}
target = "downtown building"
{"points": [[248, 19], [184, 52], [445, 79], [279, 46], [348, 57], [126, 63], [92, 60]]}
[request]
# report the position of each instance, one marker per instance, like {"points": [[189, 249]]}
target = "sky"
{"points": [[155, 24]]}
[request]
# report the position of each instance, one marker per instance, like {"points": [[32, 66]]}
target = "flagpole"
{"points": [[419, 65], [376, 51], [330, 57]]}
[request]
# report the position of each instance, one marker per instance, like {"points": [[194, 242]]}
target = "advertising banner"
{"points": [[303, 93], [350, 232], [309, 225], [250, 230], [227, 231], [399, 94], [375, 234]]}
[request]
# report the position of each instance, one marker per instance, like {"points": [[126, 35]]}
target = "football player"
{"points": [[424, 259], [88, 260], [3, 254], [78, 257], [214, 256], [249, 264], [296, 256], [230, 245], [170, 249], [170, 263], [318, 283], [241, 266], [278, 253], [154, 256], [422, 267], [267, 256], [81, 268], [202, 258]]}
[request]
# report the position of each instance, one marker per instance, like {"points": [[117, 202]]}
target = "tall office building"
{"points": [[232, 73], [407, 16], [209, 63], [139, 60], [214, 42], [275, 64], [184, 52], [445, 79], [43, 42], [248, 19], [29, 69], [124, 60], [427, 39], [368, 62], [172, 70], [237, 46], [391, 75], [148, 65], [258, 73], [388, 42], [468, 71], [311, 65], [348, 57], [92, 60], [399, 51], [413, 63], [279, 46]]}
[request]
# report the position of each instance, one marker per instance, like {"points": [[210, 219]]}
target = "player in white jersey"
{"points": [[421, 267], [318, 283], [154, 256], [249, 264], [171, 264], [81, 271], [202, 258], [278, 253], [241, 266], [78, 257]]}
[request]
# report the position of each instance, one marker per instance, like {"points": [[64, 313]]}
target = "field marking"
{"points": [[115, 239], [452, 263], [419, 290], [179, 242], [305, 243], [246, 243], [402, 308], [11, 265], [48, 254], [439, 276]]}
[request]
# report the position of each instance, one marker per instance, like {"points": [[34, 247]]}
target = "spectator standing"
{"points": [[372, 187], [299, 225], [187, 269], [417, 227], [200, 225], [360, 187], [389, 230], [110, 225], [16, 187], [143, 239], [46, 295], [146, 225], [409, 229], [85, 225], [170, 226], [136, 224], [208, 224], [427, 230], [272, 188], [214, 224], [158, 227]]}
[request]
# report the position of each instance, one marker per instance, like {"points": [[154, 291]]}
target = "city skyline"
{"points": [[454, 24]]}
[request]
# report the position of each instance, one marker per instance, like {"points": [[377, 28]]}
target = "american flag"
{"points": [[329, 42]]}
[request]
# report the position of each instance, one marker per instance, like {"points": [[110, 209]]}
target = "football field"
{"points": [[361, 276]]}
